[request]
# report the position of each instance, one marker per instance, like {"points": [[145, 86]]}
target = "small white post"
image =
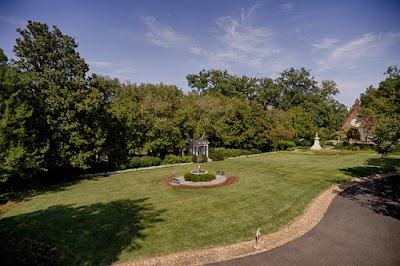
{"points": [[258, 234]]}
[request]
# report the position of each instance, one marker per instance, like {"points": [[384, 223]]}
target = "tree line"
{"points": [[55, 116]]}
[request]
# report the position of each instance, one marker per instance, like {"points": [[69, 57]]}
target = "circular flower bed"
{"points": [[167, 181]]}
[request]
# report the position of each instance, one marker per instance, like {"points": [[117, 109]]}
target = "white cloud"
{"points": [[349, 54], [243, 38], [13, 21], [162, 35], [243, 43], [100, 63], [121, 70], [287, 7], [239, 42], [325, 43]]}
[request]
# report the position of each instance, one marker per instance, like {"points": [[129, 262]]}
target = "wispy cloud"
{"points": [[243, 43], [366, 47], [238, 41], [100, 63], [287, 7], [325, 43], [13, 21], [120, 70], [163, 35]]}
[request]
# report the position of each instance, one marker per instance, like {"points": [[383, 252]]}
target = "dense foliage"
{"points": [[381, 112], [55, 117]]}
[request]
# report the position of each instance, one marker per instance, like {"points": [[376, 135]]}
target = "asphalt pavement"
{"points": [[361, 227]]}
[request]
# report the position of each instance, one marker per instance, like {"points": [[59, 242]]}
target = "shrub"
{"points": [[328, 143], [171, 159], [216, 154], [255, 151], [148, 161], [201, 159], [305, 142], [236, 152], [283, 145], [186, 159], [344, 145], [355, 148], [134, 162], [229, 152], [198, 178]]}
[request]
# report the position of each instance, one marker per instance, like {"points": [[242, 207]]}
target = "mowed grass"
{"points": [[129, 216]]}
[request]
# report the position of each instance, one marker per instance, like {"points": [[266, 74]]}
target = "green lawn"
{"points": [[131, 215]]}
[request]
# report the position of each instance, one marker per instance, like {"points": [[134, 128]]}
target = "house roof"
{"points": [[352, 115]]}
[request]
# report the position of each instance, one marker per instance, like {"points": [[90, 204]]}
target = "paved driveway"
{"points": [[361, 227]]}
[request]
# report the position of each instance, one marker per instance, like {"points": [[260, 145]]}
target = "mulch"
{"points": [[229, 181]]}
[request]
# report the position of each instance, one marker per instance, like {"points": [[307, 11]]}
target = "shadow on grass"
{"points": [[380, 195], [374, 166], [85, 235]]}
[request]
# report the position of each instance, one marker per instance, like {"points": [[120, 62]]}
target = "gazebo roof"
{"points": [[197, 141]]}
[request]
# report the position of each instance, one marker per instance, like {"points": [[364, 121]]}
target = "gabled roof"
{"points": [[352, 115]]}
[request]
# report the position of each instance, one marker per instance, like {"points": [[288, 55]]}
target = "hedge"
{"points": [[198, 178], [174, 159]]}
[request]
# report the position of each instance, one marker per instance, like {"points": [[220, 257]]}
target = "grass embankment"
{"points": [[129, 216]]}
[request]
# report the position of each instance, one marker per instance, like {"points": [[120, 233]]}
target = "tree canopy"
{"points": [[381, 109], [46, 85], [293, 88]]}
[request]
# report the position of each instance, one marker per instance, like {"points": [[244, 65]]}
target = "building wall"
{"points": [[351, 122]]}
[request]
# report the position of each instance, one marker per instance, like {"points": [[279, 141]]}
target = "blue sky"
{"points": [[351, 42]]}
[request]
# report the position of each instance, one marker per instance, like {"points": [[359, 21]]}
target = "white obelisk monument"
{"points": [[316, 146]]}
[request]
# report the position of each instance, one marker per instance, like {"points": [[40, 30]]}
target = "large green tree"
{"points": [[60, 107], [298, 88], [148, 112], [19, 156], [218, 81], [381, 111]]}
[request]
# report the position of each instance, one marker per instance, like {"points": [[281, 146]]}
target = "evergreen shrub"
{"points": [[255, 151], [216, 154], [280, 145], [147, 161], [201, 159], [186, 159], [174, 159], [198, 178], [171, 159], [134, 162], [230, 152]]}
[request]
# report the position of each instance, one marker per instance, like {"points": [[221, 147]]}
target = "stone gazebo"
{"points": [[198, 146]]}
